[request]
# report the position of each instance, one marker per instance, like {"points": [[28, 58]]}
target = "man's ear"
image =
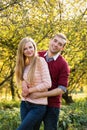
{"points": [[62, 48]]}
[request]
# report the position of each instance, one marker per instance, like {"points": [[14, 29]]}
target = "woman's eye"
{"points": [[30, 47], [25, 49]]}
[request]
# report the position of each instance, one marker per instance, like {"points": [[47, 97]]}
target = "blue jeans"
{"points": [[31, 115], [51, 118]]}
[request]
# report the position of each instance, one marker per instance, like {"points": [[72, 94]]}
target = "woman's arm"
{"points": [[25, 89]]}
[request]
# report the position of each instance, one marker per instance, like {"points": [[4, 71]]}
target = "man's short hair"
{"points": [[61, 36]]}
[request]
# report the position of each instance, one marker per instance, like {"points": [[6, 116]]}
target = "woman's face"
{"points": [[29, 50]]}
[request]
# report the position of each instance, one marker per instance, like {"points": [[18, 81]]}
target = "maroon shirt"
{"points": [[59, 72]]}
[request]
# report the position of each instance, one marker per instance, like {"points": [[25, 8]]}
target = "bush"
{"points": [[9, 119], [9, 104], [72, 117]]}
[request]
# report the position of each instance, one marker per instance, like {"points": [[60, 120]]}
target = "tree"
{"points": [[40, 19]]}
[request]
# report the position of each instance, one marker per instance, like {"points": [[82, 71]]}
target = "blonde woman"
{"points": [[33, 75]]}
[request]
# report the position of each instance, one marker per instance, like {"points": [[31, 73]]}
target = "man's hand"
{"points": [[25, 90], [36, 95]]}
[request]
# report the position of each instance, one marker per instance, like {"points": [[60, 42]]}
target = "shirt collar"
{"points": [[54, 57]]}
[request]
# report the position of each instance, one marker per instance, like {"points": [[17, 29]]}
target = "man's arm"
{"points": [[51, 93], [54, 92]]}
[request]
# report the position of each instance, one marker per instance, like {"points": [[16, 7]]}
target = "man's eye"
{"points": [[55, 40], [60, 44]]}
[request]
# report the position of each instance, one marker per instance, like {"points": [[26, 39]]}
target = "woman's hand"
{"points": [[25, 90]]}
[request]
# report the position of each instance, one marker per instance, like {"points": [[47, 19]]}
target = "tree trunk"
{"points": [[68, 99], [12, 87]]}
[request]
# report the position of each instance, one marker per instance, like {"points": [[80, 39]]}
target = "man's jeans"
{"points": [[51, 118], [31, 115]]}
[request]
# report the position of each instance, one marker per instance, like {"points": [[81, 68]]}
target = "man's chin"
{"points": [[54, 52]]}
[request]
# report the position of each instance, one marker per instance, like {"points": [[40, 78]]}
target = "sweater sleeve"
{"points": [[45, 76], [64, 75]]}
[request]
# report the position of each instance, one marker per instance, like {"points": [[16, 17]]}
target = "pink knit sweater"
{"points": [[42, 81]]}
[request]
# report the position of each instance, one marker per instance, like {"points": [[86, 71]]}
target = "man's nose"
{"points": [[56, 44]]}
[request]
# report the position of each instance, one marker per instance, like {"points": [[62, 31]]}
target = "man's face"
{"points": [[56, 45]]}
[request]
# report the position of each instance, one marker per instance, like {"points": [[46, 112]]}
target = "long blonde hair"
{"points": [[21, 61]]}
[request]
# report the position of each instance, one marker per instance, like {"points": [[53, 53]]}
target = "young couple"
{"points": [[43, 79]]}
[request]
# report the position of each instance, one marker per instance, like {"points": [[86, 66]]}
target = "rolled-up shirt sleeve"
{"points": [[62, 87]]}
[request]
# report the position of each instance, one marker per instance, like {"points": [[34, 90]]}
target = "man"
{"points": [[59, 72]]}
